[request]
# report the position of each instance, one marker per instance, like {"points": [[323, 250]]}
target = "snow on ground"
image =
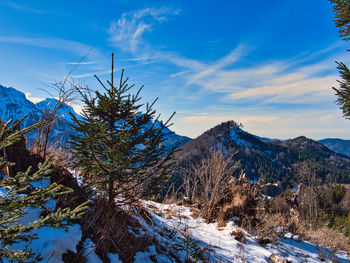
{"points": [[236, 134], [51, 243], [54, 242], [89, 252], [218, 241], [167, 227]]}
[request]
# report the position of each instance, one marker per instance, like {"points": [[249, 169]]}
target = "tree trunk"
{"points": [[110, 192]]}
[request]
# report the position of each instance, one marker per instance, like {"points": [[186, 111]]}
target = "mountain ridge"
{"points": [[282, 161], [15, 105]]}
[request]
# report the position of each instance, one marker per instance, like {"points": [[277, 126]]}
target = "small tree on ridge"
{"points": [[118, 148]]}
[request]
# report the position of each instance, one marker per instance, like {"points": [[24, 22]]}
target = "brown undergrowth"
{"points": [[62, 176], [282, 216], [324, 236], [114, 230], [241, 199]]}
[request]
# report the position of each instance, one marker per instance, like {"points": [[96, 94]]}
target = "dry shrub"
{"points": [[242, 199], [324, 236], [209, 178], [71, 257], [273, 223], [171, 212], [264, 240], [194, 212], [270, 227], [109, 228], [280, 205], [277, 259], [239, 235], [172, 195]]}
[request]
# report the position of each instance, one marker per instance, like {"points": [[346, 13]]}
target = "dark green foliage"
{"points": [[119, 149], [341, 10], [338, 193], [343, 92], [272, 162], [23, 191], [188, 245], [324, 204]]}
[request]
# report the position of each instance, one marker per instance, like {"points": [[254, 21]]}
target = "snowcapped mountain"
{"points": [[14, 105], [63, 113]]}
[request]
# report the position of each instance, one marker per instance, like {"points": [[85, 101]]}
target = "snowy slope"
{"points": [[63, 113], [216, 244], [14, 105], [223, 246], [168, 225]]}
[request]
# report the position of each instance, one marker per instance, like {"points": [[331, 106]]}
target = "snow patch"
{"points": [[53, 242]]}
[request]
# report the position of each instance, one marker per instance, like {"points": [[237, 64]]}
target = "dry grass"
{"points": [[242, 199], [171, 212], [324, 236], [273, 223], [109, 228], [210, 177]]}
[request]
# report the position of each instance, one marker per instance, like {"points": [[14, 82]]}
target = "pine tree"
{"points": [[118, 148], [341, 10], [22, 192]]}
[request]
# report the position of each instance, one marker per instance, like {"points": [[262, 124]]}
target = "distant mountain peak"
{"points": [[271, 160], [222, 128], [305, 143], [338, 145], [14, 105]]}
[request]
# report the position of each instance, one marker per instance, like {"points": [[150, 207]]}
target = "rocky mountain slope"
{"points": [[287, 161], [337, 145]]}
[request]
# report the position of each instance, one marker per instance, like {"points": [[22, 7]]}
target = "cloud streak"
{"points": [[23, 8], [127, 31], [53, 43], [263, 89]]}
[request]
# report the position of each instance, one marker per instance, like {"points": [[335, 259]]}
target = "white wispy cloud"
{"points": [[305, 84], [21, 7], [127, 31], [305, 80], [227, 60], [282, 81], [54, 43], [91, 74]]}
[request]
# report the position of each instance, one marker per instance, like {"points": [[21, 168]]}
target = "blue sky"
{"points": [[266, 64]]}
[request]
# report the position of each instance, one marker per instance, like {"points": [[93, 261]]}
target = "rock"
{"points": [[265, 240], [277, 259]]}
